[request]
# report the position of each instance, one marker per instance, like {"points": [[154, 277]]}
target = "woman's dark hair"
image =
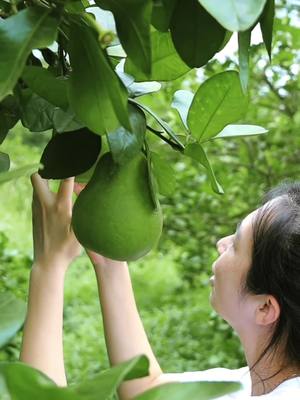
{"points": [[275, 268]]}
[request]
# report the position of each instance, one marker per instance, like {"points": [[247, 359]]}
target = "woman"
{"points": [[255, 288]]}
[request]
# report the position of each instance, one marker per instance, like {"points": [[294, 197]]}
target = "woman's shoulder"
{"points": [[213, 374]]}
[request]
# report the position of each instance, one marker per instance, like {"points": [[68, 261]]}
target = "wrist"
{"points": [[53, 267], [108, 264]]}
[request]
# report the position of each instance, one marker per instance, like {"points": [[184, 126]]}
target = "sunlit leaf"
{"points": [[166, 63], [234, 15], [182, 101], [244, 39], [29, 29], [190, 391], [96, 94], [196, 152], [240, 131], [218, 102]]}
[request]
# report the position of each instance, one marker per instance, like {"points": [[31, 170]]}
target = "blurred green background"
{"points": [[171, 283]]}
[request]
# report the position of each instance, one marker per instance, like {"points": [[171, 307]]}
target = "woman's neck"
{"points": [[270, 371]]}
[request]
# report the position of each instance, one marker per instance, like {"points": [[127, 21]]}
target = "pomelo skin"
{"points": [[114, 214]]}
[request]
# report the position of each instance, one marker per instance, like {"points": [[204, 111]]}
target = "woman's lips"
{"points": [[212, 280]]}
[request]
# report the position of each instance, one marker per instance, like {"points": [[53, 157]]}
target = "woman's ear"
{"points": [[267, 311]]}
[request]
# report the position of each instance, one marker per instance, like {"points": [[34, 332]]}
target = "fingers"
{"points": [[40, 187], [65, 190], [78, 187]]}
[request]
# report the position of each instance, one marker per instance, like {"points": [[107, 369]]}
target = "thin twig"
{"points": [[159, 134]]}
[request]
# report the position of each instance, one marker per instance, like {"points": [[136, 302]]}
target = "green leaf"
{"points": [[18, 173], [137, 89], [196, 35], [46, 85], [161, 14], [218, 102], [96, 94], [36, 112], [65, 121], [244, 39], [164, 174], [161, 122], [29, 29], [196, 152], [182, 101], [190, 391], [22, 382], [12, 311], [4, 162], [9, 115], [234, 15], [133, 26], [124, 144], [266, 25], [166, 63], [70, 154], [240, 131], [106, 383]]}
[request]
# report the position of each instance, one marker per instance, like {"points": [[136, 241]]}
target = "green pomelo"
{"points": [[114, 215]]}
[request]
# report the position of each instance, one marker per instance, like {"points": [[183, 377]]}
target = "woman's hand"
{"points": [[54, 242]]}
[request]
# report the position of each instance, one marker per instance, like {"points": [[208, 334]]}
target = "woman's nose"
{"points": [[223, 243]]}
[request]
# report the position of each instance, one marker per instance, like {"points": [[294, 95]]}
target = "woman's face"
{"points": [[229, 273]]}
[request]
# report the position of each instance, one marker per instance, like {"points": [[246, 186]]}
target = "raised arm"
{"points": [[55, 246], [124, 332]]}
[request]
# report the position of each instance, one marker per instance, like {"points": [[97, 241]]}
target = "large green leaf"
{"points": [[4, 162], [124, 144], [164, 174], [96, 94], [9, 115], [70, 154], [266, 25], [46, 85], [166, 63], [240, 131], [182, 101], [197, 153], [244, 39], [133, 26], [12, 311], [22, 382], [190, 391], [65, 121], [29, 29], [18, 173], [104, 385], [36, 112], [196, 35], [218, 102], [234, 15], [161, 14]]}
